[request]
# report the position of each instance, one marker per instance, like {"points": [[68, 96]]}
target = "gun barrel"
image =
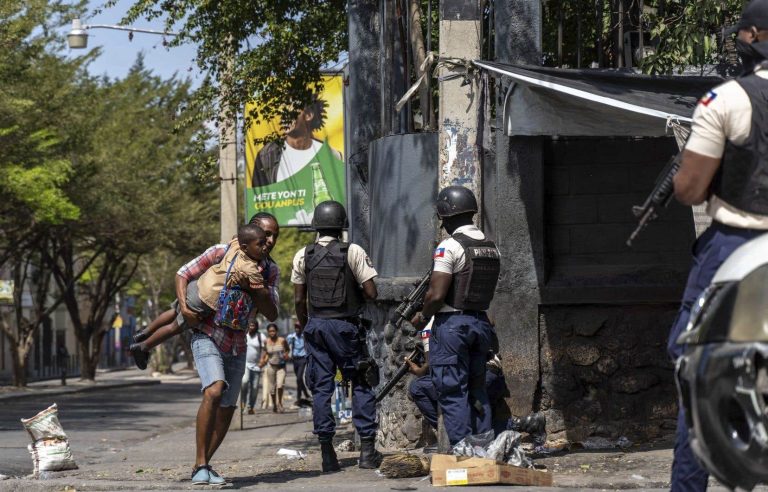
{"points": [[401, 372]]}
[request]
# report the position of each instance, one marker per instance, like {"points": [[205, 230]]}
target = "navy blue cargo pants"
{"points": [[423, 393], [458, 351], [332, 344], [710, 250]]}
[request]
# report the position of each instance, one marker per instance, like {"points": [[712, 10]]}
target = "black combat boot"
{"points": [[369, 457], [330, 463], [534, 424]]}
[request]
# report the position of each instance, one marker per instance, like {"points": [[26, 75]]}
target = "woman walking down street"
{"points": [[274, 358]]}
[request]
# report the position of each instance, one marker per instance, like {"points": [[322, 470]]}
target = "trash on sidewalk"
{"points": [[305, 413], [4, 477], [460, 470], [596, 442], [505, 448], [345, 446], [291, 454], [404, 466], [50, 446]]}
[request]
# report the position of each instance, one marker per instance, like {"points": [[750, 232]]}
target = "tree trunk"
{"points": [[19, 358], [419, 55], [87, 371]]}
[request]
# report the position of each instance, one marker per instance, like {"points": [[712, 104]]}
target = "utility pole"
{"points": [[461, 37], [228, 152], [228, 177]]}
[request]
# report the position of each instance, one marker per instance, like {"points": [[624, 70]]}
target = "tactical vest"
{"points": [[742, 180], [473, 287], [332, 289]]}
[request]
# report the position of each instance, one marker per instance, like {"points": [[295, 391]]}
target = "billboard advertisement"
{"points": [[289, 177]]}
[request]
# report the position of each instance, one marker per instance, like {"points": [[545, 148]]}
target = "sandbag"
{"points": [[50, 447]]}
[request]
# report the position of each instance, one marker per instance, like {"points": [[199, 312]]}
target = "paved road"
{"points": [[99, 422]]}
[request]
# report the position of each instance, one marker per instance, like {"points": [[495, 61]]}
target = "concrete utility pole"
{"points": [[228, 177], [460, 37], [228, 152]]}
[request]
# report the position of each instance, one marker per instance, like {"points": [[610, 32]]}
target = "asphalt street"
{"points": [[99, 423]]}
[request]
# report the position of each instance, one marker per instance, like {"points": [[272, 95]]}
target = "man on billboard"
{"points": [[276, 162]]}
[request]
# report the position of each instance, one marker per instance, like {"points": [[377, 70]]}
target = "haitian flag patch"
{"points": [[708, 98], [439, 253]]}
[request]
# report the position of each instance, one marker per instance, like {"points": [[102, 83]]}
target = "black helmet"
{"points": [[722, 377], [455, 200], [329, 215]]}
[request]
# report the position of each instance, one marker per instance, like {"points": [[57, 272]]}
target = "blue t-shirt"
{"points": [[297, 345]]}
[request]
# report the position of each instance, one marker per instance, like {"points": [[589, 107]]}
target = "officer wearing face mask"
{"points": [[725, 163]]}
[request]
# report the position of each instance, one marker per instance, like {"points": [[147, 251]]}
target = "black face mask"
{"points": [[751, 54], [748, 55]]}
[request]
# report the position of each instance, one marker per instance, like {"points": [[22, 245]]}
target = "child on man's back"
{"points": [[239, 267]]}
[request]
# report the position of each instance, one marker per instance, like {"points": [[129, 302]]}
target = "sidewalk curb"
{"points": [[78, 389]]}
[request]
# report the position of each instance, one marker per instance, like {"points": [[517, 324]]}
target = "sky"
{"points": [[118, 53]]}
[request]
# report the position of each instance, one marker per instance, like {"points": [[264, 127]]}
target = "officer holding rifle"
{"points": [[726, 164], [464, 275]]}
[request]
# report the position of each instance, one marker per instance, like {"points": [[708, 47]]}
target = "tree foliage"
{"points": [[87, 192], [683, 33], [268, 51]]}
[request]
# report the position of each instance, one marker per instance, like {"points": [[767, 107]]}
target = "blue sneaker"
{"points": [[200, 475], [214, 478]]}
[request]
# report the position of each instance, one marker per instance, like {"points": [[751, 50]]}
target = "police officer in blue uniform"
{"points": [[332, 280], [465, 271], [724, 163]]}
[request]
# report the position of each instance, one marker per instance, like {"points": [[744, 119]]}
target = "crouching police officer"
{"points": [[724, 163], [331, 281], [464, 275]]}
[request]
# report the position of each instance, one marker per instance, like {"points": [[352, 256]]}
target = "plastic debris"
{"points": [[50, 446], [4, 477], [638, 477], [305, 413], [291, 454], [345, 446], [504, 448], [596, 442]]}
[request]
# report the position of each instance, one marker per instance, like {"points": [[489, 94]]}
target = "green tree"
{"points": [[36, 87], [135, 195], [270, 51]]}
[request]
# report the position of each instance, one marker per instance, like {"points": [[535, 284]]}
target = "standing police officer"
{"points": [[464, 275], [331, 281], [724, 162]]}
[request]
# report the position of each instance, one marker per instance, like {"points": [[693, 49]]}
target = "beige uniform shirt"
{"points": [[724, 113], [357, 259], [449, 255]]}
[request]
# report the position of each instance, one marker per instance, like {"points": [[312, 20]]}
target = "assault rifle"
{"points": [[659, 198], [416, 356], [406, 309]]}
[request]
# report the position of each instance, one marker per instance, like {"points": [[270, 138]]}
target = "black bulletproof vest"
{"points": [[331, 286], [742, 180], [473, 287]]}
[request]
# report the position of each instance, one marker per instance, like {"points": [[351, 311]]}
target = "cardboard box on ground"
{"points": [[460, 470]]}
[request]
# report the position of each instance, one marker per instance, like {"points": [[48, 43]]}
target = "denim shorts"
{"points": [[214, 365]]}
